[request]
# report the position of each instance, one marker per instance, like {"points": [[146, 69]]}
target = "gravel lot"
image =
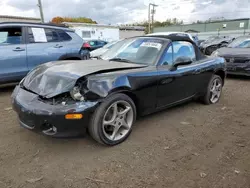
{"points": [[187, 146]]}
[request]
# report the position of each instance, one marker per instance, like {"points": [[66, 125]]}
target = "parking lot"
{"points": [[188, 146]]}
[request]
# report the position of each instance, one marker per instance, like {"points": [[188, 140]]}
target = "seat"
{"points": [[146, 54], [183, 51]]}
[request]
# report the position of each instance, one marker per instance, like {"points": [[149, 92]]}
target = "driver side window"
{"points": [[183, 49]]}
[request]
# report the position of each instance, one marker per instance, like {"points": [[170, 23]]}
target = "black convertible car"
{"points": [[237, 56], [146, 75]]}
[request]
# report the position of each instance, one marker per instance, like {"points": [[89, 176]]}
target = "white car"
{"points": [[98, 52]]}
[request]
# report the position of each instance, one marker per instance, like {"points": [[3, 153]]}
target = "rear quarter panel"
{"points": [[74, 46]]}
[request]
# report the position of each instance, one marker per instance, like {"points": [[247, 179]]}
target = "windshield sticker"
{"points": [[152, 44], [39, 35]]}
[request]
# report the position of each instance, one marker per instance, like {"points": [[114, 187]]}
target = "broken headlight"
{"points": [[76, 94]]}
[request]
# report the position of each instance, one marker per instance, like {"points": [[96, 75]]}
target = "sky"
{"points": [[129, 11]]}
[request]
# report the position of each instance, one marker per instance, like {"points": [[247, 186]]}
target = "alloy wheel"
{"points": [[215, 91], [118, 120]]}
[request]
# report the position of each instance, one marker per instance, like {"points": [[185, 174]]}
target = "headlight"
{"points": [[76, 95], [215, 54]]}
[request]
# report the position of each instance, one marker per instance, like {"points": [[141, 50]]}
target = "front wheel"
{"points": [[214, 90], [113, 120]]}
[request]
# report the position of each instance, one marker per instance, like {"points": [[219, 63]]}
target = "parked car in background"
{"points": [[93, 44], [98, 52], [237, 55], [213, 43], [145, 75], [23, 46], [196, 39], [199, 42]]}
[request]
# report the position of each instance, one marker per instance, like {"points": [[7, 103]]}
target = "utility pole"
{"points": [[151, 22], [41, 10], [149, 27]]}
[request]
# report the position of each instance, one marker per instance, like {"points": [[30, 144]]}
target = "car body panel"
{"points": [[98, 52], [237, 60], [96, 44], [37, 116], [151, 87], [53, 78], [16, 60], [210, 45], [13, 61]]}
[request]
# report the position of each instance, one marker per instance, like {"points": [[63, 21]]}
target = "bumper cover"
{"points": [[49, 119], [238, 69]]}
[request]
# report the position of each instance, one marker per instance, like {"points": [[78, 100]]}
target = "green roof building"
{"points": [[234, 27]]}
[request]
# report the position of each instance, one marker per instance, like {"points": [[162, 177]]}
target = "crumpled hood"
{"points": [[234, 52], [205, 44], [53, 78]]}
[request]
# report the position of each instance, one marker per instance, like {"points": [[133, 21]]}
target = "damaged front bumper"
{"points": [[241, 69], [36, 115]]}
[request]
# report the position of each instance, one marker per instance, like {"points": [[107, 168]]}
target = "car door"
{"points": [[12, 54], [44, 45], [181, 84]]}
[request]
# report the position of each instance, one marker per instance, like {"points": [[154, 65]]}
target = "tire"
{"points": [[208, 97], [110, 128]]}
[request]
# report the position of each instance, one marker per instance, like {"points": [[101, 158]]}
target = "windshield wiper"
{"points": [[121, 60]]}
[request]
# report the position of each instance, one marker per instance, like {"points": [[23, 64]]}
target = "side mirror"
{"points": [[181, 61]]}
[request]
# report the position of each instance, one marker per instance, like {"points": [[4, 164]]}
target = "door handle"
{"points": [[18, 49], [58, 46], [166, 81]]}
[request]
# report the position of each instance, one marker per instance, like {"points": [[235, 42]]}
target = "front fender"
{"points": [[105, 86]]}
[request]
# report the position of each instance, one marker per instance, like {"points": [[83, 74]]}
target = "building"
{"points": [[4, 18], [131, 31], [236, 27], [95, 31], [105, 32]]}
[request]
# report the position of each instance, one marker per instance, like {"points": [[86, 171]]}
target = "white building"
{"points": [[131, 31], [5, 18], [95, 31]]}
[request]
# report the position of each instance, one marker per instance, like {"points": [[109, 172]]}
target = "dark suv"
{"points": [[24, 46]]}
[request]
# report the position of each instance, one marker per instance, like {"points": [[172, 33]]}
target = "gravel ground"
{"points": [[189, 146]]}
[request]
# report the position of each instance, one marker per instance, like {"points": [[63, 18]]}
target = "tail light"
{"points": [[86, 45]]}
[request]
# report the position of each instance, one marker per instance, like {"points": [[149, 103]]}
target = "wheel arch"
{"points": [[127, 91], [222, 74]]}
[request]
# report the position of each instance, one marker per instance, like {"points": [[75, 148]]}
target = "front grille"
{"points": [[237, 60]]}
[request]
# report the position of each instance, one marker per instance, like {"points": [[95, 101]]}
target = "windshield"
{"points": [[136, 50], [241, 42]]}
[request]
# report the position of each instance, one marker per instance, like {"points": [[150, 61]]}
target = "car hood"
{"points": [[234, 52], [213, 42], [98, 52], [54, 78]]}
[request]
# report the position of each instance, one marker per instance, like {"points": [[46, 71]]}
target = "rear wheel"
{"points": [[214, 90], [113, 120]]}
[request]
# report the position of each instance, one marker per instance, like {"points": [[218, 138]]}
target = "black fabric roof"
{"points": [[175, 37]]}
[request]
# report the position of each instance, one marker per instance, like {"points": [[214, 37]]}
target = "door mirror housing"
{"points": [[181, 61]]}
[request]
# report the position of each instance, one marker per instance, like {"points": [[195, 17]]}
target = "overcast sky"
{"points": [[129, 11]]}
